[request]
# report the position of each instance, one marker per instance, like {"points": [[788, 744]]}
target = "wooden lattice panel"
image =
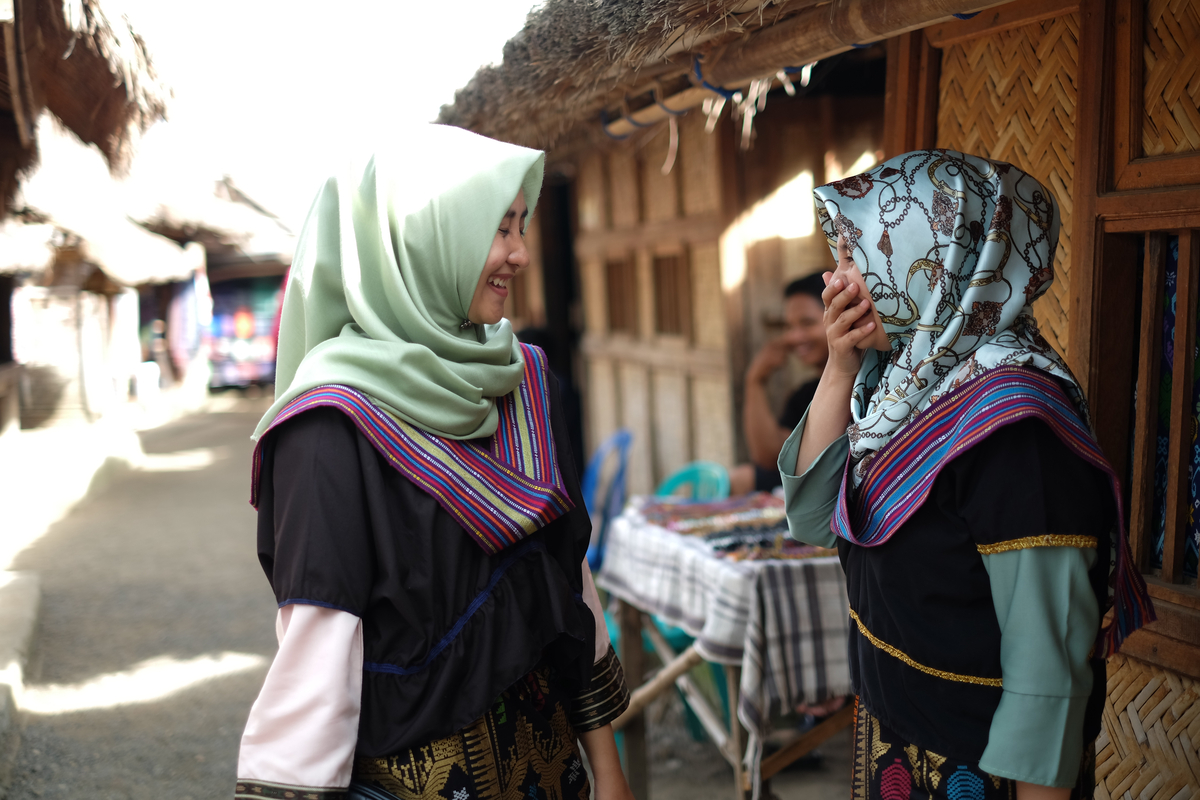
{"points": [[1011, 96], [1171, 77], [1149, 747]]}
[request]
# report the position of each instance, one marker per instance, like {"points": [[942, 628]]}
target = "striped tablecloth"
{"points": [[786, 623]]}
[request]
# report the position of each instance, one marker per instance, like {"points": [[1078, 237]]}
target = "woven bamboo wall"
{"points": [[1011, 96], [1149, 748], [1171, 77]]}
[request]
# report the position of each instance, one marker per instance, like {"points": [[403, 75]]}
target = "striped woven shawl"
{"points": [[902, 473], [500, 490]]}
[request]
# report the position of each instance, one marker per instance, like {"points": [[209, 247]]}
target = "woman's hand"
{"points": [[848, 324]]}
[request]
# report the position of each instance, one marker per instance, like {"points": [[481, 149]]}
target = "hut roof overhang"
{"points": [[91, 71], [576, 59]]}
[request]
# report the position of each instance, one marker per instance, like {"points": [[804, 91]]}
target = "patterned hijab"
{"points": [[954, 248]]}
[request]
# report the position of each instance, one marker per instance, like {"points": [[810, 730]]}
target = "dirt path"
{"points": [[152, 586], [152, 593]]}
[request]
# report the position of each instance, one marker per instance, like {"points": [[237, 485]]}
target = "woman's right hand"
{"points": [[845, 309]]}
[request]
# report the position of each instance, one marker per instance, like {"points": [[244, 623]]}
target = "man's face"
{"points": [[804, 316]]}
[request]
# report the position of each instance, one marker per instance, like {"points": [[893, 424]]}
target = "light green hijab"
{"points": [[384, 272]]}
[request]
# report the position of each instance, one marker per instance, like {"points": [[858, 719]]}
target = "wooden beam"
{"points": [[733, 685], [996, 20], [662, 681], [1114, 338], [805, 744], [633, 659], [709, 719], [1180, 448], [824, 31], [1145, 425], [1090, 156], [15, 83]]}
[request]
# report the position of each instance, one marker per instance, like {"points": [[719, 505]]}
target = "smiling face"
{"points": [[848, 272], [506, 257], [804, 316]]}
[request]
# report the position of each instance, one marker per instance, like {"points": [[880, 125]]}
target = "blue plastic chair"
{"points": [[707, 480], [614, 495]]}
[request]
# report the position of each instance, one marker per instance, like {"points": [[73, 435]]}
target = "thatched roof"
{"points": [[574, 57], [575, 60], [91, 71], [222, 218], [107, 88]]}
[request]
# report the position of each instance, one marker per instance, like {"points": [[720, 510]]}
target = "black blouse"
{"points": [[446, 627], [926, 592]]}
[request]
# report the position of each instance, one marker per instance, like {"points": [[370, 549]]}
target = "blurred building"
{"points": [[93, 76], [248, 253]]}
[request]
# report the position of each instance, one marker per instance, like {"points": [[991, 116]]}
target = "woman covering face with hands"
{"points": [[948, 455]]}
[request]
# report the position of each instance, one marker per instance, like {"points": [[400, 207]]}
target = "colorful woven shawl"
{"points": [[901, 474], [500, 489]]}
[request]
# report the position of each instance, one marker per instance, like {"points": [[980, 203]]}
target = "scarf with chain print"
{"points": [[954, 248]]}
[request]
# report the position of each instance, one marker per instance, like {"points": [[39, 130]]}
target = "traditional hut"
{"points": [[95, 77], [248, 252], [1097, 98]]}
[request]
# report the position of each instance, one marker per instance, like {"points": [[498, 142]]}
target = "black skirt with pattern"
{"points": [[886, 767]]}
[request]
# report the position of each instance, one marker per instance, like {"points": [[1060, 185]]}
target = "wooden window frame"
{"points": [[1131, 170], [1105, 341], [679, 305], [630, 308]]}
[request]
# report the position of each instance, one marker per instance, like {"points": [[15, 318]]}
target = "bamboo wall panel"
{"points": [[698, 166], [625, 188], [603, 415], [708, 304], [1149, 747], [1011, 96], [589, 193], [1171, 77], [712, 410], [634, 383], [659, 192], [671, 424], [594, 294]]}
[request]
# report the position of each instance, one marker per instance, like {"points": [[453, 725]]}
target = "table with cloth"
{"points": [[763, 605]]}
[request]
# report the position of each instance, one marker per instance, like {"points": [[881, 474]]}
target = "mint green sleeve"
{"points": [[810, 498], [1048, 619]]}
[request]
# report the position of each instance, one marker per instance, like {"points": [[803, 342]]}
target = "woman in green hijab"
{"points": [[419, 516]]}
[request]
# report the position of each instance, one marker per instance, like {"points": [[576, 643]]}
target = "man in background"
{"points": [[804, 337]]}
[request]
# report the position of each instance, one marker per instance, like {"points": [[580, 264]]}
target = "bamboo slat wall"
{"points": [[1149, 747], [1172, 77], [1011, 96]]}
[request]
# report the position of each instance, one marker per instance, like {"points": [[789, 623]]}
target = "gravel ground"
{"points": [[160, 565], [682, 768]]}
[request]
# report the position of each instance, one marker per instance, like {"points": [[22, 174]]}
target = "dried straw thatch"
{"points": [[574, 58], [92, 72], [106, 89]]}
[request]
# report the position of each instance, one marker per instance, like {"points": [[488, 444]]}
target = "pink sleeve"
{"points": [[592, 598], [304, 725]]}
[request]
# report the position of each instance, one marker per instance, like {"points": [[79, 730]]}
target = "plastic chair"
{"points": [[707, 480], [614, 495]]}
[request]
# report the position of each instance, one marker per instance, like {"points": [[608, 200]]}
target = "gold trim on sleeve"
{"points": [[605, 698], [937, 673], [1046, 540]]}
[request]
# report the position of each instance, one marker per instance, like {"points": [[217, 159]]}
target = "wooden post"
{"points": [[1145, 432], [733, 683], [633, 660]]}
